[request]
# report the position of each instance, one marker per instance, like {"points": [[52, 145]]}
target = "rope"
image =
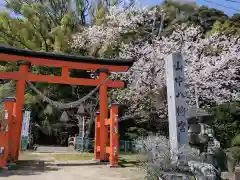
{"points": [[63, 105]]}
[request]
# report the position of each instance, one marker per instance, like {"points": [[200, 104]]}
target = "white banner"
{"points": [[26, 123]]}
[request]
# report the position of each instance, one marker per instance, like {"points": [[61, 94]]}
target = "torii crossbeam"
{"points": [[26, 58]]}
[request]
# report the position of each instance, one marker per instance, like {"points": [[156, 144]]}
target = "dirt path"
{"points": [[76, 173], [46, 169]]}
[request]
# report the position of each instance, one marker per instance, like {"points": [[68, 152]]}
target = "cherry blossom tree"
{"points": [[212, 64], [211, 60]]}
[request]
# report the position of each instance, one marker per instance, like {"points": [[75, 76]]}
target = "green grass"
{"points": [[128, 160], [71, 157], [28, 156], [124, 159]]}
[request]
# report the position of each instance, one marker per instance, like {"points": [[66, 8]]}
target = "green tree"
{"points": [[236, 18], [206, 17], [178, 13], [226, 122], [100, 8], [226, 27], [36, 30], [39, 26]]}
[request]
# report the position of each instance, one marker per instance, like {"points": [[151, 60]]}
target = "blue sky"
{"points": [[210, 3]]}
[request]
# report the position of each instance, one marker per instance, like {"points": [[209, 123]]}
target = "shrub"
{"points": [[233, 157], [236, 141], [157, 161], [221, 158]]}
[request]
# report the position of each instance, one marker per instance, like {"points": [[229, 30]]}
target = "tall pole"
{"points": [[114, 141], [103, 74], [177, 107], [20, 91], [79, 128], [196, 96], [97, 138], [7, 132], [83, 127]]}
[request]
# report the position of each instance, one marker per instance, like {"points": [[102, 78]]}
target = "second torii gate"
{"points": [[26, 58]]}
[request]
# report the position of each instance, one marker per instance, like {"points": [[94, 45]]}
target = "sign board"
{"points": [[26, 123], [5, 115], [177, 107]]}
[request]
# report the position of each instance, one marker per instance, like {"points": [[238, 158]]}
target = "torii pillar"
{"points": [[103, 75], [20, 91]]}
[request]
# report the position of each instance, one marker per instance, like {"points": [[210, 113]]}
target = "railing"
{"points": [[24, 143], [87, 145]]}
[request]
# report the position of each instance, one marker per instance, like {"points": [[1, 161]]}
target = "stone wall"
{"points": [[237, 173], [231, 176]]}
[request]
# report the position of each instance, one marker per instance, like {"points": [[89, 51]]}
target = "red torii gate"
{"points": [[25, 58]]}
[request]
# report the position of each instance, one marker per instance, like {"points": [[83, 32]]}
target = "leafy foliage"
{"points": [[234, 152], [39, 26], [36, 31], [226, 123], [236, 141]]}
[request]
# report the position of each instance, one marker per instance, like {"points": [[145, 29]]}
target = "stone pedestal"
{"points": [[237, 173], [176, 176], [208, 158]]}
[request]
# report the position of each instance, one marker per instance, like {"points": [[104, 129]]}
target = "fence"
{"points": [[24, 143], [87, 145]]}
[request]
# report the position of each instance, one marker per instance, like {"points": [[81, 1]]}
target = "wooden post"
{"points": [[103, 114], [97, 138], [114, 140], [177, 107], [4, 139], [9, 104], [20, 90], [6, 131]]}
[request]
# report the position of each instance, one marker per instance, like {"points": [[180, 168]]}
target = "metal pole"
{"points": [[83, 126], [83, 133], [79, 129]]}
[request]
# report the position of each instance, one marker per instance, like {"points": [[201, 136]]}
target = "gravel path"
{"points": [[75, 173], [47, 169]]}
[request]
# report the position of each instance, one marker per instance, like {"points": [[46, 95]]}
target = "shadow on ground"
{"points": [[28, 167], [79, 163], [122, 163], [128, 163]]}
